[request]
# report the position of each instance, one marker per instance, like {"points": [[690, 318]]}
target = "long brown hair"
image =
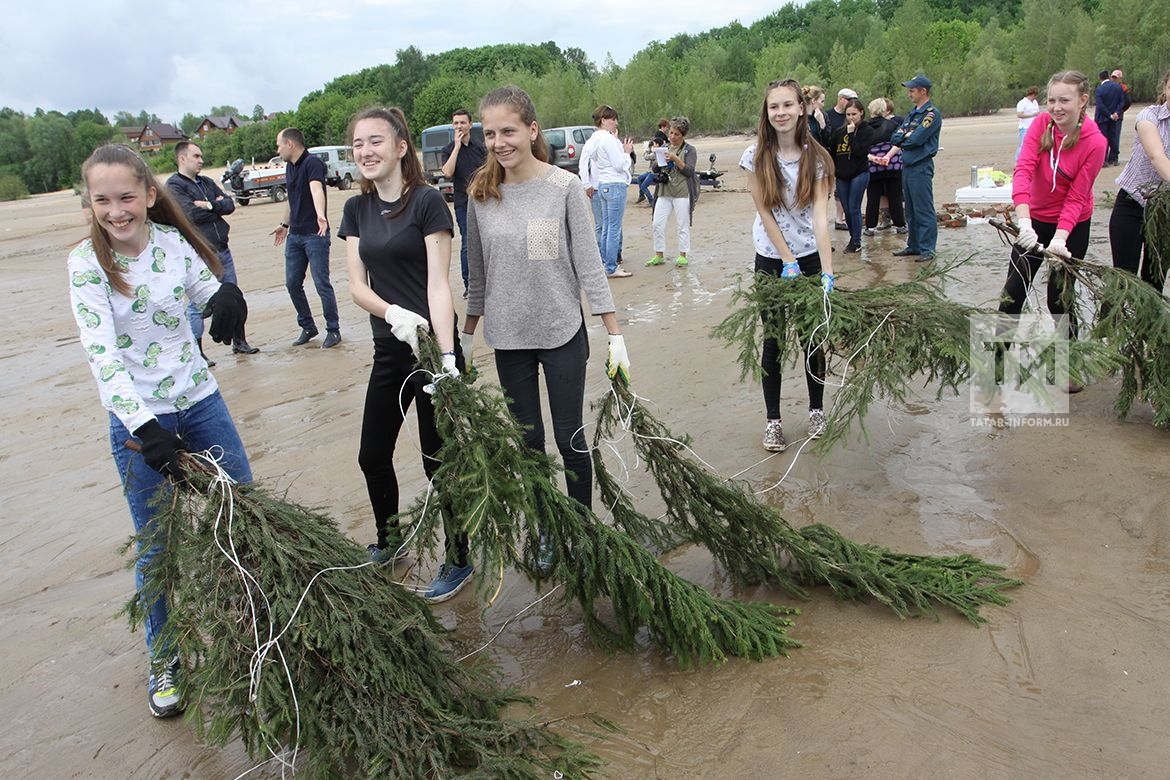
{"points": [[1165, 82], [412, 170], [814, 158], [486, 182], [1081, 82], [165, 211]]}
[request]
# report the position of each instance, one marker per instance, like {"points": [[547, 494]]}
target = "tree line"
{"points": [[981, 55]]}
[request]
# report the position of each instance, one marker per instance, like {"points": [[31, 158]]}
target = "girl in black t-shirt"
{"points": [[398, 249]]}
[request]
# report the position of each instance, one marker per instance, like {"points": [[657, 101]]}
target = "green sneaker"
{"points": [[656, 260], [681, 261]]}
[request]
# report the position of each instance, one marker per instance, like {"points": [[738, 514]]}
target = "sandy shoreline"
{"points": [[1067, 681]]}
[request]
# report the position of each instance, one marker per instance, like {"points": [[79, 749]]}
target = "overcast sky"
{"points": [[172, 59]]}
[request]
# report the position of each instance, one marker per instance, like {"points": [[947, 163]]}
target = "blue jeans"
{"points": [[613, 208], [918, 193], [564, 378], [303, 253], [850, 193], [645, 182], [229, 275], [206, 424], [461, 221]]}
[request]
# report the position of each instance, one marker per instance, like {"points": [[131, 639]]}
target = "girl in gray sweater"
{"points": [[531, 252]]}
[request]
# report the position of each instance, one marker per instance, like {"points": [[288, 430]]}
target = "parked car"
{"points": [[340, 169], [433, 140], [564, 145]]}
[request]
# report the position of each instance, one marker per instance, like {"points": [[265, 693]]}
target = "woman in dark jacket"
{"points": [[884, 181], [850, 148]]}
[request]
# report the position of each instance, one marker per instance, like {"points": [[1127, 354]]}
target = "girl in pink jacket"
{"points": [[1052, 190]]}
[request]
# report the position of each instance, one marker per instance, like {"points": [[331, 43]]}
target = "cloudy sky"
{"points": [[171, 58]]}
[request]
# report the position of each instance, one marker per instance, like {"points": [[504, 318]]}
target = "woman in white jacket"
{"points": [[605, 171]]}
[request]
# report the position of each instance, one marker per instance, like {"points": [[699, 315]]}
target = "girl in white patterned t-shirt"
{"points": [[130, 284], [790, 177]]}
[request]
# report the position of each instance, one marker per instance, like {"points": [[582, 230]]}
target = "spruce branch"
{"points": [[1131, 332], [505, 495], [755, 544], [294, 639]]}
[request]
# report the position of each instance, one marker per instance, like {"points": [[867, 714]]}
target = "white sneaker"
{"points": [[774, 437], [816, 423]]}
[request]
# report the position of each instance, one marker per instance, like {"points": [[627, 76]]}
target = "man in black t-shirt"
{"points": [[464, 156], [306, 228]]}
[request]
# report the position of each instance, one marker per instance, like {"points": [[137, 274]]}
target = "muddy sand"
{"points": [[1068, 681]]}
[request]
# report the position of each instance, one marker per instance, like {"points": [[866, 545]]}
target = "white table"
{"points": [[984, 194]]}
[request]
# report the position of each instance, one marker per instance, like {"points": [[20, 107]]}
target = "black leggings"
{"points": [[1062, 292], [1127, 239], [814, 361], [388, 395], [891, 187], [564, 379]]}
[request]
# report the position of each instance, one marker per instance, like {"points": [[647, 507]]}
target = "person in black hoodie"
{"points": [[850, 148], [884, 181]]}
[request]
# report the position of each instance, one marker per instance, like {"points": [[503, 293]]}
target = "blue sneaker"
{"points": [[162, 689], [387, 555], [450, 581]]}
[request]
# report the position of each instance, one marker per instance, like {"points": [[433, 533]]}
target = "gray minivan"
{"points": [[431, 143], [564, 145]]}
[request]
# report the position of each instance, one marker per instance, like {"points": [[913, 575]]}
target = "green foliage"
{"points": [[256, 141], [435, 103], [11, 187], [189, 124], [294, 640], [504, 495], [163, 161], [257, 112], [755, 544], [216, 149]]}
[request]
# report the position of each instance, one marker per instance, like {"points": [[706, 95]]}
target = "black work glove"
{"points": [[228, 312], [161, 448]]}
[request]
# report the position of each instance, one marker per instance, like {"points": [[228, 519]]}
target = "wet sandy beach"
{"points": [[1067, 681]]}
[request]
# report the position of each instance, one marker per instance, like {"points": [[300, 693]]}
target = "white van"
{"points": [[340, 169]]}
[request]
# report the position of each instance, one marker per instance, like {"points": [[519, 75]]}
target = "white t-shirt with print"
{"points": [[796, 225], [140, 348]]}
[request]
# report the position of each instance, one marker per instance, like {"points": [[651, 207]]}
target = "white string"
{"points": [[495, 636], [222, 484]]}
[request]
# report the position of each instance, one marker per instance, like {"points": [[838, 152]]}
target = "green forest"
{"points": [[980, 54]]}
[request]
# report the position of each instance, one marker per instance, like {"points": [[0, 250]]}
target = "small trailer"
{"points": [[269, 181], [244, 184]]}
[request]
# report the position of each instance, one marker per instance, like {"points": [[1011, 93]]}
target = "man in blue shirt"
{"points": [[464, 156], [917, 140], [306, 228]]}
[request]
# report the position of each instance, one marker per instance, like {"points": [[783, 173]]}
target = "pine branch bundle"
{"points": [[754, 543], [347, 666], [1156, 228], [504, 494], [890, 339], [1131, 333]]}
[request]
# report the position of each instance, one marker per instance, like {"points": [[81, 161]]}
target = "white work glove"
{"points": [[447, 371], [467, 346], [1056, 246], [404, 324], [618, 361], [1026, 240]]}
